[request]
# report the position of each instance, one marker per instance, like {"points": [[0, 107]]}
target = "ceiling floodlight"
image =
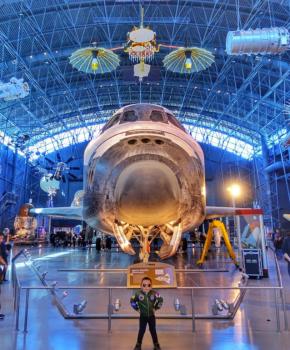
{"points": [[188, 60], [94, 60]]}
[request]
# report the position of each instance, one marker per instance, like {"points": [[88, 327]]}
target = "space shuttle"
{"points": [[144, 178]]}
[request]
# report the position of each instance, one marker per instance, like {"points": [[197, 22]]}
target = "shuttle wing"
{"points": [[217, 212], [60, 212], [286, 216]]}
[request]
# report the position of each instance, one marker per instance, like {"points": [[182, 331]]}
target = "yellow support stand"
{"points": [[221, 226]]}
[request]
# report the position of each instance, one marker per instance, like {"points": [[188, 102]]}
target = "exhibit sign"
{"points": [[162, 275], [251, 225]]}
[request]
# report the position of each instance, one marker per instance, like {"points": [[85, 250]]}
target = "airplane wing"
{"points": [[217, 212], [60, 212], [286, 216]]}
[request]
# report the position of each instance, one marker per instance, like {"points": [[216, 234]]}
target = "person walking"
{"points": [[146, 301]]}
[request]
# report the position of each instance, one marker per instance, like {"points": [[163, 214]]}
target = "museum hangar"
{"points": [[144, 139]]}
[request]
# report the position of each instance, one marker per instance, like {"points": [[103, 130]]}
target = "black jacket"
{"points": [[146, 304]]}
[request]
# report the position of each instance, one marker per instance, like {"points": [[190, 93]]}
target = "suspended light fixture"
{"points": [[188, 60]]}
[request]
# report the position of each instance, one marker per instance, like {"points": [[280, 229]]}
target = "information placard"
{"points": [[162, 275]]}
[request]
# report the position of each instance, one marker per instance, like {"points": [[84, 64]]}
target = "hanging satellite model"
{"points": [[14, 90], [187, 60], [94, 60], [141, 47], [49, 184], [258, 41]]}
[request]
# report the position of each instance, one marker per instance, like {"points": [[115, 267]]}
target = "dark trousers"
{"points": [[288, 268], [142, 328]]}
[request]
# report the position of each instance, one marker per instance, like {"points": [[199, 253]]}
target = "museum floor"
{"points": [[254, 326]]}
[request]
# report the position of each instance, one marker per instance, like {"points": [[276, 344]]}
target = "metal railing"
{"points": [[109, 315]]}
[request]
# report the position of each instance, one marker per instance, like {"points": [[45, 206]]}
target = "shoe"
{"points": [[138, 346], [157, 346], [2, 316]]}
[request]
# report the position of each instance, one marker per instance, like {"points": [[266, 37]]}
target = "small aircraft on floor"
{"points": [[144, 178]]}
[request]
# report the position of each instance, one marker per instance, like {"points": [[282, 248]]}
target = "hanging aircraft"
{"points": [[143, 178]]}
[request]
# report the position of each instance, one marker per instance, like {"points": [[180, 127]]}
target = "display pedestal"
{"points": [[162, 275]]}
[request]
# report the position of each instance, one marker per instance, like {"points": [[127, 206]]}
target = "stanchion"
{"points": [[26, 310], [110, 311], [277, 312], [193, 312], [18, 292]]}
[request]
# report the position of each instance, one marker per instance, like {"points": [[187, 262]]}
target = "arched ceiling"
{"points": [[243, 95]]}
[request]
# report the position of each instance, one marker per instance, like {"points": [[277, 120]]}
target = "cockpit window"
{"points": [[174, 121], [156, 116], [129, 116], [114, 120]]}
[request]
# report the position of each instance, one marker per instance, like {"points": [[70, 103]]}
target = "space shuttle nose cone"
{"points": [[147, 193]]}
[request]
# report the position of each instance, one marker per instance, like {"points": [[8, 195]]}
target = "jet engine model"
{"points": [[143, 178]]}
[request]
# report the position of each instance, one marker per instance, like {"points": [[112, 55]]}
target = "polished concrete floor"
{"points": [[254, 326]]}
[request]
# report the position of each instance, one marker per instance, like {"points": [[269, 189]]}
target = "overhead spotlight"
{"points": [[79, 308]]}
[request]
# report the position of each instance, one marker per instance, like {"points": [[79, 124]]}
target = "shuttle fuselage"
{"points": [[144, 177]]}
